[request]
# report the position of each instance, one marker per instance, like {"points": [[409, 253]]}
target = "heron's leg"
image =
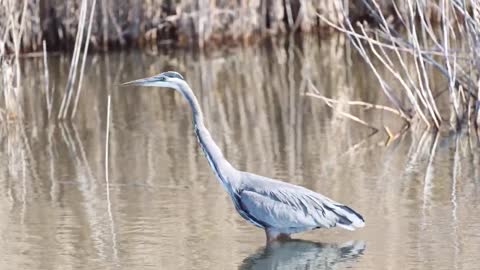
{"points": [[274, 235]]}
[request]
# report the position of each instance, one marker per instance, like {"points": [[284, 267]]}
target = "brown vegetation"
{"points": [[163, 22], [421, 38]]}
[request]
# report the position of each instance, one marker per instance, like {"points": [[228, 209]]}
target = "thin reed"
{"points": [[412, 44]]}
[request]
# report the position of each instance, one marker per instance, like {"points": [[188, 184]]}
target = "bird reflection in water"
{"points": [[300, 254]]}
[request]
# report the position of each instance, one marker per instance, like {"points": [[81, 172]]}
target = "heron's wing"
{"points": [[282, 205]]}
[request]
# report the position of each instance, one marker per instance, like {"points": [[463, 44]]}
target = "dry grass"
{"points": [[149, 24], [411, 54]]}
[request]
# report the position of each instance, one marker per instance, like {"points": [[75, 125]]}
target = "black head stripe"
{"points": [[173, 74]]}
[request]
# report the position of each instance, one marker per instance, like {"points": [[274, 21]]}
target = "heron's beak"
{"points": [[142, 82]]}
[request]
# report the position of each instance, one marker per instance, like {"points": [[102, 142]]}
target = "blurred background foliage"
{"points": [[167, 22]]}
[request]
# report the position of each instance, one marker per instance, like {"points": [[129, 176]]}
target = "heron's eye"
{"points": [[161, 78]]}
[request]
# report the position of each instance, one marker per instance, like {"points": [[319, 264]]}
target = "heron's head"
{"points": [[170, 79]]}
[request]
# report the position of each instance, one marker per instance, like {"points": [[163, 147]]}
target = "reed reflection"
{"points": [[301, 254]]}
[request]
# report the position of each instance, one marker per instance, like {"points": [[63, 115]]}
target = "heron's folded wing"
{"points": [[286, 209], [285, 205]]}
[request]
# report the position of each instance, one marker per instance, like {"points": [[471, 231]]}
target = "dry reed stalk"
{"points": [[73, 65], [107, 136], [80, 40], [48, 96], [385, 87], [477, 107], [387, 62], [12, 28], [85, 53], [17, 37], [107, 181], [420, 75], [452, 60]]}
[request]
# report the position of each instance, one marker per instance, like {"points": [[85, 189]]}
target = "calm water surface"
{"points": [[163, 208]]}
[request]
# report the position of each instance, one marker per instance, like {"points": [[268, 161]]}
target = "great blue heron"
{"points": [[278, 207]]}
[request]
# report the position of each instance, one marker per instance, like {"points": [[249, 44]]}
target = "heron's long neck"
{"points": [[214, 155]]}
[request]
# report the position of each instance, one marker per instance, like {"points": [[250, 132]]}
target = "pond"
{"points": [[162, 207]]}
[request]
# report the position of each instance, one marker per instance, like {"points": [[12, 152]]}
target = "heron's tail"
{"points": [[347, 217]]}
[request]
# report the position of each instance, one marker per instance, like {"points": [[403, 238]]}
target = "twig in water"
{"points": [[394, 136], [352, 117], [367, 105]]}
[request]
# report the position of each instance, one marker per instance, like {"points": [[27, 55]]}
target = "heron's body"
{"points": [[278, 207]]}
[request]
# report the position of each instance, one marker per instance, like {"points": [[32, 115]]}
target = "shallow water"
{"points": [[162, 208]]}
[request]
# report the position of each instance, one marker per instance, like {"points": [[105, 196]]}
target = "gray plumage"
{"points": [[278, 207]]}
